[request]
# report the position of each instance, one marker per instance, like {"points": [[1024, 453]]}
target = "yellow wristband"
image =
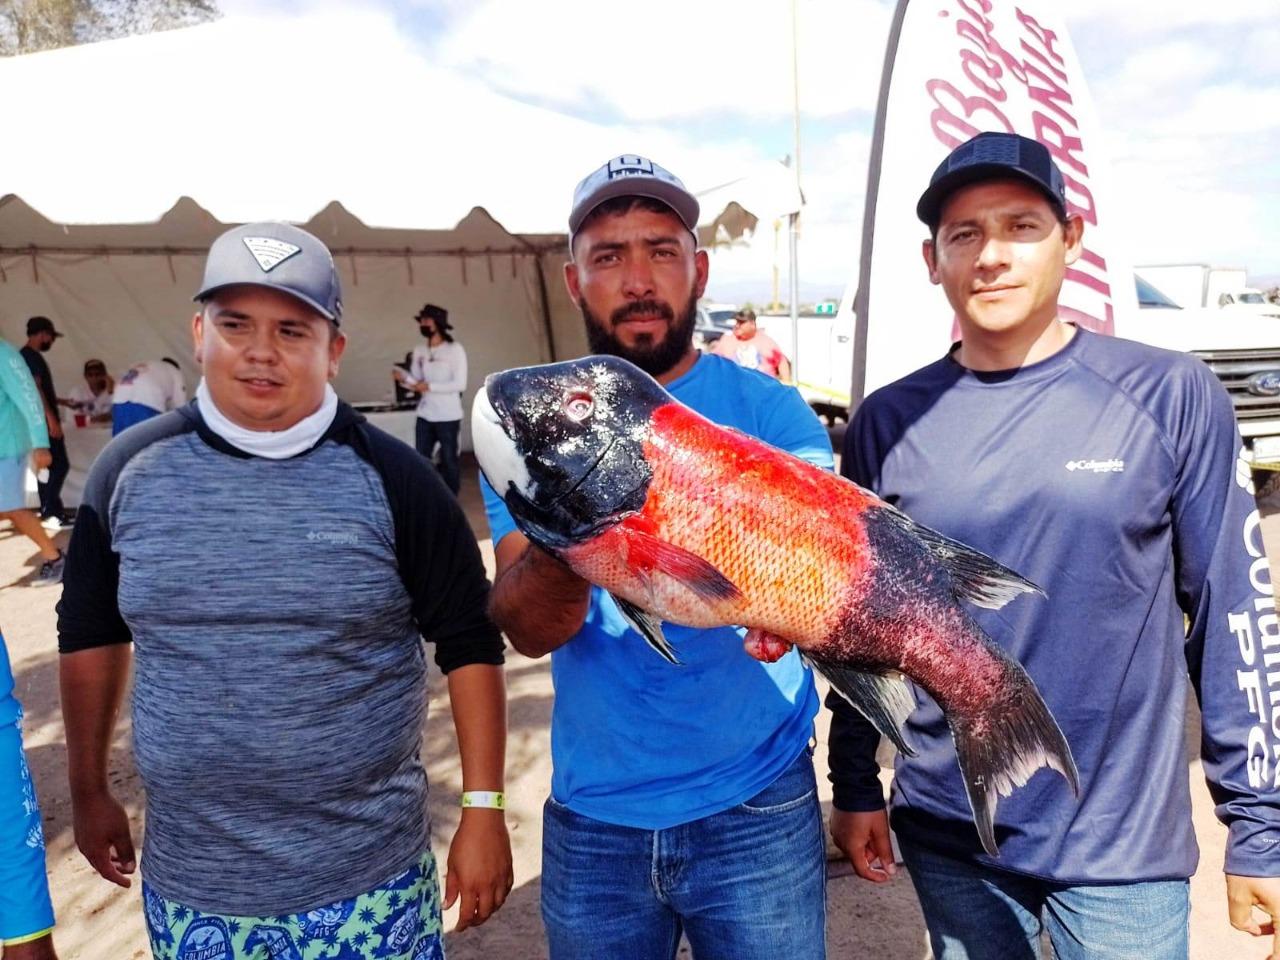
{"points": [[484, 798]]}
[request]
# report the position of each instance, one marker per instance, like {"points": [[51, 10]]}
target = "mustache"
{"points": [[642, 308]]}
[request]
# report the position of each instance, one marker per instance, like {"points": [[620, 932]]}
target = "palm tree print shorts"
{"points": [[399, 920]]}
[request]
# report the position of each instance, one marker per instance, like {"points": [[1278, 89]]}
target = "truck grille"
{"points": [[1234, 368]]}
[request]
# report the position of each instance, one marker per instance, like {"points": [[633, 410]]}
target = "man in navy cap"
{"points": [[275, 563], [1107, 472], [682, 798]]}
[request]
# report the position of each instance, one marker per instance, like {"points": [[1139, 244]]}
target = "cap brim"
{"points": [[929, 206], [683, 203], [210, 291]]}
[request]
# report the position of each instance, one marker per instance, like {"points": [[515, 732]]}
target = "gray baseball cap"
{"points": [[629, 175], [278, 256]]}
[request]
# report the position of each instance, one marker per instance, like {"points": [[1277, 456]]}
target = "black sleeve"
{"points": [[89, 612], [852, 744], [437, 554]]}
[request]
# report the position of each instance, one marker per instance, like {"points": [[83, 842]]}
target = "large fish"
{"points": [[684, 520]]}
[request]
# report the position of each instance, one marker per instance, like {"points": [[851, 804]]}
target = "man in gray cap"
{"points": [[1108, 472], [682, 798], [276, 562]]}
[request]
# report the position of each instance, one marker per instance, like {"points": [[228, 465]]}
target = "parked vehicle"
{"points": [[1192, 285]]}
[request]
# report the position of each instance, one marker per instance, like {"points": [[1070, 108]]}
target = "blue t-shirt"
{"points": [[638, 742], [1109, 475]]}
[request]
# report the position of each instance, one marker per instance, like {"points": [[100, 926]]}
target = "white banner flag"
{"points": [[953, 69]]}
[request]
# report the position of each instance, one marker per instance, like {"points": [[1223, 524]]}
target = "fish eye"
{"points": [[578, 406]]}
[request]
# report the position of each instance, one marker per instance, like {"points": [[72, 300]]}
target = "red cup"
{"points": [[81, 418]]}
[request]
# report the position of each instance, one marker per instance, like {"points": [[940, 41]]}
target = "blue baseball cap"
{"points": [[992, 156], [630, 175], [278, 256]]}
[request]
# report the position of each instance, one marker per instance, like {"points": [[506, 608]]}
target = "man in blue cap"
{"points": [[683, 799], [275, 563], [1108, 472]]}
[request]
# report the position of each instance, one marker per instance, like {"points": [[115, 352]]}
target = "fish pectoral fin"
{"points": [[647, 553], [648, 626], [976, 577], [884, 699]]}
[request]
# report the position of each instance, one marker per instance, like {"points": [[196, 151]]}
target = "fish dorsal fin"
{"points": [[648, 626], [648, 554], [883, 698], [975, 577]]}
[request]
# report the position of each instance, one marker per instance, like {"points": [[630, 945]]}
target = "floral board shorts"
{"points": [[399, 920]]}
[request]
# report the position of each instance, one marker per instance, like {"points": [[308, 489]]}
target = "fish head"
{"points": [[563, 444]]}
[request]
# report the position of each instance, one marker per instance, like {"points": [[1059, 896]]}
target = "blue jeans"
{"points": [[427, 433], [977, 913], [745, 884]]}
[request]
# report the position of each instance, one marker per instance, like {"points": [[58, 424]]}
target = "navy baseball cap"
{"points": [[629, 175], [992, 156], [278, 256]]}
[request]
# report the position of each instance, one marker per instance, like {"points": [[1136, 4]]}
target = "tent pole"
{"points": [[546, 304]]}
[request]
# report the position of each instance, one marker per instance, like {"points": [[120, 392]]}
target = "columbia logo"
{"points": [[332, 536], [1096, 466]]}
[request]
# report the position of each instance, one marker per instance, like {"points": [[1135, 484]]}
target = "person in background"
{"points": [[40, 337], [1110, 473], [24, 437], [683, 799], [92, 399], [26, 913], [749, 346], [147, 390], [438, 372], [281, 676]]}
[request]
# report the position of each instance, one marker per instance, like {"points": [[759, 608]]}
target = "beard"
{"points": [[654, 356]]}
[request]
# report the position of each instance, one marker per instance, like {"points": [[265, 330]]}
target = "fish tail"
{"points": [[1001, 747]]}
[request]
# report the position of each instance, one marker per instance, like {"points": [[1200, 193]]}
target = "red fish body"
{"points": [[686, 521]]}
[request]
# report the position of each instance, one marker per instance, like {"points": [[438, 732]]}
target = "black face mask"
{"points": [[427, 331], [46, 346]]}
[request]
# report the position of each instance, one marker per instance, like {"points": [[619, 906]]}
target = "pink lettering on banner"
{"points": [[971, 64], [1080, 199], [952, 129], [1046, 38], [1060, 144], [1050, 95]]}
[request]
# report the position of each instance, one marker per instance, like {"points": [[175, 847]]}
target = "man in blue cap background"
{"points": [[1107, 472], [275, 563]]}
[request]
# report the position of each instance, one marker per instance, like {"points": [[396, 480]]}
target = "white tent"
{"points": [[335, 123]]}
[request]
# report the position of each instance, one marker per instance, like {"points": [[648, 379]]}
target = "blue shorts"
{"points": [[25, 910], [13, 482]]}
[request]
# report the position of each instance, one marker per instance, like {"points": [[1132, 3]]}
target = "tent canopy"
{"points": [[445, 192]]}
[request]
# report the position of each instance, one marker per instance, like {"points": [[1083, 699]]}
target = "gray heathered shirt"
{"points": [[276, 610]]}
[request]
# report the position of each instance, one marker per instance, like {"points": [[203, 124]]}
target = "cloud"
{"points": [[715, 57]]}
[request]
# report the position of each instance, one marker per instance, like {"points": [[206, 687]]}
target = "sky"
{"points": [[1187, 93]]}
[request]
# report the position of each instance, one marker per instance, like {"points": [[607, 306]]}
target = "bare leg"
{"points": [[41, 949], [28, 524]]}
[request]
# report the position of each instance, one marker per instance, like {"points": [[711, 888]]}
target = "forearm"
{"points": [[538, 602], [478, 699], [93, 683]]}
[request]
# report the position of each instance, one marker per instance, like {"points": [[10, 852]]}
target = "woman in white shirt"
{"points": [[438, 373]]}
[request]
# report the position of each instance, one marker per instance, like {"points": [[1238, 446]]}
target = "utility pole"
{"points": [[794, 233]]}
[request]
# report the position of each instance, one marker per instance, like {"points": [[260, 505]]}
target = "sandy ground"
{"points": [[97, 921]]}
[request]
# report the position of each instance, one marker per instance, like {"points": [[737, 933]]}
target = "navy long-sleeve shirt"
{"points": [[1110, 475]]}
